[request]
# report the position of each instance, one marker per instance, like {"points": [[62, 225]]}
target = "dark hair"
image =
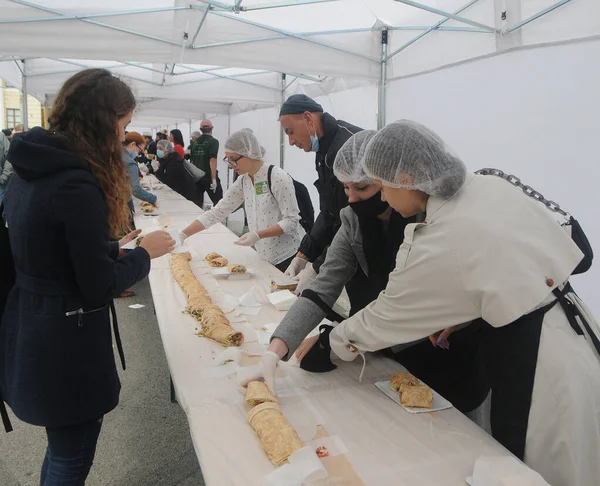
{"points": [[85, 112], [7, 131], [161, 136], [177, 136]]}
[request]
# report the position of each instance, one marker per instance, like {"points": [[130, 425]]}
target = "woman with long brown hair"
{"points": [[66, 201]]}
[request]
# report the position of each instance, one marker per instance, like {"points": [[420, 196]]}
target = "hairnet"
{"points": [[349, 161], [406, 148], [166, 145], [196, 134], [246, 144]]}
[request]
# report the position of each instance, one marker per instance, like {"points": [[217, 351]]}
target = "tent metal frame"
{"points": [[231, 12]]}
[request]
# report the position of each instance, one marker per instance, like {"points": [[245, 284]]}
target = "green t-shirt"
{"points": [[203, 149]]}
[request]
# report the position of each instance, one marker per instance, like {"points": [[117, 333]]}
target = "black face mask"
{"points": [[371, 207], [206, 130]]}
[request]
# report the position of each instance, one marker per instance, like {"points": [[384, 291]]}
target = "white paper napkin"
{"points": [[226, 302], [249, 299], [282, 300], [266, 331]]}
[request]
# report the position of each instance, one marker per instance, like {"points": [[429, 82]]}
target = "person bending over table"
{"points": [[173, 173], [361, 258], [489, 255], [273, 214]]}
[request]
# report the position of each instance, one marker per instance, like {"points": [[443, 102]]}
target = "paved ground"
{"points": [[145, 441]]}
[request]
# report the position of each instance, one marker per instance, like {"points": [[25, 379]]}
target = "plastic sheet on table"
{"points": [[304, 465]]}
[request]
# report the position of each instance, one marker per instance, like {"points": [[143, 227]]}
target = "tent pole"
{"points": [[24, 91], [190, 130], [281, 132], [228, 133], [382, 80]]}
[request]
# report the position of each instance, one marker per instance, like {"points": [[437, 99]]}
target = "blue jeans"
{"points": [[70, 453]]}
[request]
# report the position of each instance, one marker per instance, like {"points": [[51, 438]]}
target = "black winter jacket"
{"points": [[173, 173], [57, 364], [332, 198]]}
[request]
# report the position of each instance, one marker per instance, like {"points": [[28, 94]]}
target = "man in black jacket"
{"points": [[312, 130]]}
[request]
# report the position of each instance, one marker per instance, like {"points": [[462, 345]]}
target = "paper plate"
{"points": [[439, 402]]}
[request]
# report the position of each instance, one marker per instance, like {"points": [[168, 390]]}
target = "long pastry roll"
{"points": [[278, 438], [258, 392], [216, 326]]}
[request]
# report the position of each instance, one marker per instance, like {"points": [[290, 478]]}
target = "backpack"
{"points": [[307, 212]]}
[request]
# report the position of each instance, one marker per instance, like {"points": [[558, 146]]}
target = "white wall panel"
{"points": [[533, 113]]}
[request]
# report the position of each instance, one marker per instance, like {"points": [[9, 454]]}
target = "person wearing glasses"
{"points": [[273, 213], [133, 145]]}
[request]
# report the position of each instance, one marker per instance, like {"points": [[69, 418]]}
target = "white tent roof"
{"points": [[203, 56]]}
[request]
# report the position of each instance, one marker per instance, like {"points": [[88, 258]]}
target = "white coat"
{"points": [[491, 252]]}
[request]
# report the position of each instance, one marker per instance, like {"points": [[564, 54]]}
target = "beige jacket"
{"points": [[490, 252]]}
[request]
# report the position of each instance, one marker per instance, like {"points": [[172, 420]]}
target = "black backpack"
{"points": [[307, 212]]}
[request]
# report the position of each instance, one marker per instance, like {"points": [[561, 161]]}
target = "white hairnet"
{"points": [[246, 144], [406, 148], [349, 161]]}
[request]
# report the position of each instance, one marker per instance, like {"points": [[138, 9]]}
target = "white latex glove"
{"points": [[296, 266], [143, 169], [305, 278], [155, 165], [182, 237], [263, 371], [249, 239], [213, 185]]}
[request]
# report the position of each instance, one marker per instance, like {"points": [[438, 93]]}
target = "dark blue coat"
{"points": [[57, 367]]}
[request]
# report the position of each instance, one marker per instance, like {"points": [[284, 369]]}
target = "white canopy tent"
{"points": [[214, 57]]}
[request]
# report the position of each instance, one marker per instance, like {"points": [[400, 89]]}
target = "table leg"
{"points": [[173, 397]]}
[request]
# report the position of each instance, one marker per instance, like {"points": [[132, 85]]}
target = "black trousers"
{"points": [[204, 187]]}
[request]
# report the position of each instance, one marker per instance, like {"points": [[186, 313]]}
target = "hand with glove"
{"points": [[263, 371], [317, 359], [143, 169], [182, 237], [296, 266], [248, 239], [155, 165], [305, 278], [213, 185]]}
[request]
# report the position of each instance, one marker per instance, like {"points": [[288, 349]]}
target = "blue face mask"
{"points": [[314, 140], [160, 154]]}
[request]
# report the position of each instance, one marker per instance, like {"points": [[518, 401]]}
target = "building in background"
{"points": [[11, 108]]}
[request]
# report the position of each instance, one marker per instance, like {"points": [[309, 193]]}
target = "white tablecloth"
{"points": [[386, 445]]}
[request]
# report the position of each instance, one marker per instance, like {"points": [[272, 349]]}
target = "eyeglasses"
{"points": [[232, 163]]}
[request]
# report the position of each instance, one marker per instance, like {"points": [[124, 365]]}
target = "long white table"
{"points": [[385, 444]]}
